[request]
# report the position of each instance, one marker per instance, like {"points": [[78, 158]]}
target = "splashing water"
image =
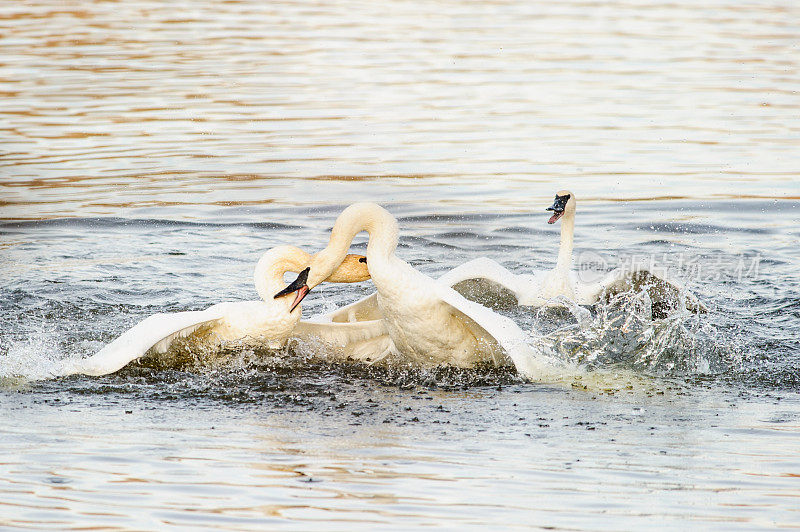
{"points": [[33, 358], [619, 335], [623, 333]]}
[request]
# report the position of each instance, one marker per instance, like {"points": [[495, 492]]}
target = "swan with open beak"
{"points": [[268, 322]]}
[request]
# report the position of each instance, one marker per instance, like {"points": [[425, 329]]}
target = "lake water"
{"points": [[150, 152]]}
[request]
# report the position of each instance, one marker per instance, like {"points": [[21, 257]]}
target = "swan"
{"points": [[546, 288], [425, 322], [268, 322], [488, 282]]}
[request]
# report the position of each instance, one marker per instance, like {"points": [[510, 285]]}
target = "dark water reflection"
{"points": [[150, 152]]}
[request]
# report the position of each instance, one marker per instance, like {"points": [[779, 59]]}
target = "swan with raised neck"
{"points": [[428, 323], [544, 288], [558, 282]]}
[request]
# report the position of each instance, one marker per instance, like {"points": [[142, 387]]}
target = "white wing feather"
{"points": [[533, 364], [367, 341], [486, 281], [155, 333]]}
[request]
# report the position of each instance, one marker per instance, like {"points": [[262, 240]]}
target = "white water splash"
{"points": [[36, 358], [624, 333]]}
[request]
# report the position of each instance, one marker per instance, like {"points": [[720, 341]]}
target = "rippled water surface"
{"points": [[151, 151]]}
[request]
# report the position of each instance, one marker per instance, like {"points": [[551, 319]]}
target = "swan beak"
{"points": [[302, 292], [555, 217], [558, 206], [298, 285]]}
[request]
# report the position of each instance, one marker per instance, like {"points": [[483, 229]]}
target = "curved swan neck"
{"points": [[564, 262], [271, 267], [375, 220]]}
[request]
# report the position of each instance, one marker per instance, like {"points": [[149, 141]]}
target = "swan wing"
{"points": [[367, 341], [487, 282], [365, 309], [664, 292], [155, 333], [532, 363]]}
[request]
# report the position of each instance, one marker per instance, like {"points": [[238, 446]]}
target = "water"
{"points": [[151, 153]]}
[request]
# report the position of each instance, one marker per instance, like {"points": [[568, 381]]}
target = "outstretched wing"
{"points": [[488, 283], [481, 280], [665, 293], [155, 333], [531, 362]]}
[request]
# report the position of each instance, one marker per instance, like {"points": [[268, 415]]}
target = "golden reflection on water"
{"points": [[622, 100]]}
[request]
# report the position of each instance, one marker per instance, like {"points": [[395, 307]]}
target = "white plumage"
{"points": [[265, 323], [425, 322]]}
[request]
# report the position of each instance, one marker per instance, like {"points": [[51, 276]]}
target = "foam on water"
{"points": [[34, 358], [611, 347]]}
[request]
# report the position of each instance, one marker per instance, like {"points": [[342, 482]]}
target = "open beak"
{"points": [[298, 285], [556, 215], [302, 292]]}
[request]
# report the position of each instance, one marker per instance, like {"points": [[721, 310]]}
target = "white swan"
{"points": [[488, 282], [425, 321], [268, 322], [544, 288]]}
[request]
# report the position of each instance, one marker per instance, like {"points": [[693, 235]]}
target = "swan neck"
{"points": [[564, 262], [375, 220], [268, 280], [272, 266]]}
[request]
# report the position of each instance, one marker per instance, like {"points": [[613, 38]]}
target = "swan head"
{"points": [[353, 269], [563, 204]]}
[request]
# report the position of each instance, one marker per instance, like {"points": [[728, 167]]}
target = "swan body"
{"points": [[485, 280], [268, 322], [425, 322], [544, 289], [489, 283]]}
